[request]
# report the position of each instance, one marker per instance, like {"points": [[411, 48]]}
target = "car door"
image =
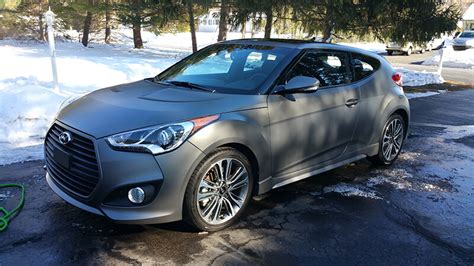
{"points": [[308, 129]]}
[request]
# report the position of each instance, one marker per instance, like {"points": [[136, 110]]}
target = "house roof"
{"points": [[469, 14]]}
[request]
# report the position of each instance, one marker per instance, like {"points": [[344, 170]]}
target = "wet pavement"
{"points": [[418, 211]]}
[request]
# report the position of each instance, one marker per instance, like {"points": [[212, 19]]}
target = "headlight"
{"points": [[158, 139]]}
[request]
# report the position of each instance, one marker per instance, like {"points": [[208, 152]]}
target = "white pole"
{"points": [[52, 48], [440, 67]]}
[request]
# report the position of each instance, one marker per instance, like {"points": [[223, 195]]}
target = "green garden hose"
{"points": [[6, 216]]}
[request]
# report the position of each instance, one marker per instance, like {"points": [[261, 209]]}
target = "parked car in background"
{"points": [[408, 48], [233, 120], [464, 41]]}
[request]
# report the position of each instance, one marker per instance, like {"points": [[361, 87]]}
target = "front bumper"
{"points": [[396, 49], [461, 46], [168, 173]]}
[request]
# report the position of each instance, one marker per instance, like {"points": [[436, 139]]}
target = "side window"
{"points": [[364, 66], [330, 68]]}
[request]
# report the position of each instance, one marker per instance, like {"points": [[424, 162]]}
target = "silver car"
{"points": [[464, 41], [407, 48], [233, 120]]}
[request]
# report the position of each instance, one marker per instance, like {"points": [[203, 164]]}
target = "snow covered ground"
{"points": [[29, 104], [452, 58]]}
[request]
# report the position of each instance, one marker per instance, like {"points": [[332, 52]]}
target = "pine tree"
{"points": [[145, 13]]}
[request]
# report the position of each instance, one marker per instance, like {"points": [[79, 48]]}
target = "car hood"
{"points": [[144, 103]]}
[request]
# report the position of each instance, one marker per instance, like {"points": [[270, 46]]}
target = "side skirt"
{"points": [[318, 171]]}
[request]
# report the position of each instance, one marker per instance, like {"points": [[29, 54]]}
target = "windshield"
{"points": [[227, 68], [467, 35]]}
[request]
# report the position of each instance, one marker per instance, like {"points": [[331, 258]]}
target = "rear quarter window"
{"points": [[364, 66]]}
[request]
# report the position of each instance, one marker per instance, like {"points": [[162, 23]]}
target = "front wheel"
{"points": [[391, 141], [219, 190]]}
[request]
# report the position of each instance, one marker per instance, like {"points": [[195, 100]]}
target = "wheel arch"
{"points": [[245, 138], [406, 119], [252, 159]]}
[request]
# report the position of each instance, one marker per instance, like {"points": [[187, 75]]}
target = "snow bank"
{"points": [[374, 47], [452, 58], [28, 103], [419, 78]]}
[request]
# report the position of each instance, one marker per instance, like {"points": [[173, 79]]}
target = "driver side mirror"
{"points": [[299, 84]]}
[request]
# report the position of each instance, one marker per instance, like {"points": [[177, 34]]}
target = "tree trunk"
{"points": [[137, 36], [87, 28], [244, 28], [192, 25], [42, 29], [223, 21], [254, 25], [107, 27], [327, 32], [268, 24], [108, 32]]}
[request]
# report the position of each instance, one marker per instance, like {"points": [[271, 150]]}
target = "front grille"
{"points": [[82, 175]]}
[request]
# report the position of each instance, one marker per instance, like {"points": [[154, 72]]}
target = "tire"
{"points": [[384, 158], [390, 52], [410, 51], [219, 206], [422, 51]]}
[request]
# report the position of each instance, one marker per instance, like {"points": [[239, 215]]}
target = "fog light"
{"points": [[136, 195]]}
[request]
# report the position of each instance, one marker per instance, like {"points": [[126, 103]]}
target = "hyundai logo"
{"points": [[65, 137]]}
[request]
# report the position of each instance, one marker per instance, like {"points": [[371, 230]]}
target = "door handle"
{"points": [[352, 102]]}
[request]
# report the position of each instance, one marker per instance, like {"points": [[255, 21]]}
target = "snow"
{"points": [[375, 47], [452, 58], [420, 94], [351, 190], [469, 14], [419, 78]]}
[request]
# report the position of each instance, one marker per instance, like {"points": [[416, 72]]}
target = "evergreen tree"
{"points": [[145, 13]]}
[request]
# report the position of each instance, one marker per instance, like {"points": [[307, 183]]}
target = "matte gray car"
{"points": [[233, 120]]}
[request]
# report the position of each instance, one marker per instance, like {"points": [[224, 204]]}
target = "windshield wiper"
{"points": [[187, 85]]}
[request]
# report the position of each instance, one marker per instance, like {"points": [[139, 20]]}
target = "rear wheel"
{"points": [[391, 141], [409, 51], [390, 52], [219, 190]]}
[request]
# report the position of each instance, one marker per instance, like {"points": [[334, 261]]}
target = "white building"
{"points": [[468, 18]]}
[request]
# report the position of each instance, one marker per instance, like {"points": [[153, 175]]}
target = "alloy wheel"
{"points": [[222, 191], [392, 139]]}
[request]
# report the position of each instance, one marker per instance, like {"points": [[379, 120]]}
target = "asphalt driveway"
{"points": [[419, 211]]}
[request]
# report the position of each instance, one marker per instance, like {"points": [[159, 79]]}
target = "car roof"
{"points": [[299, 44]]}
